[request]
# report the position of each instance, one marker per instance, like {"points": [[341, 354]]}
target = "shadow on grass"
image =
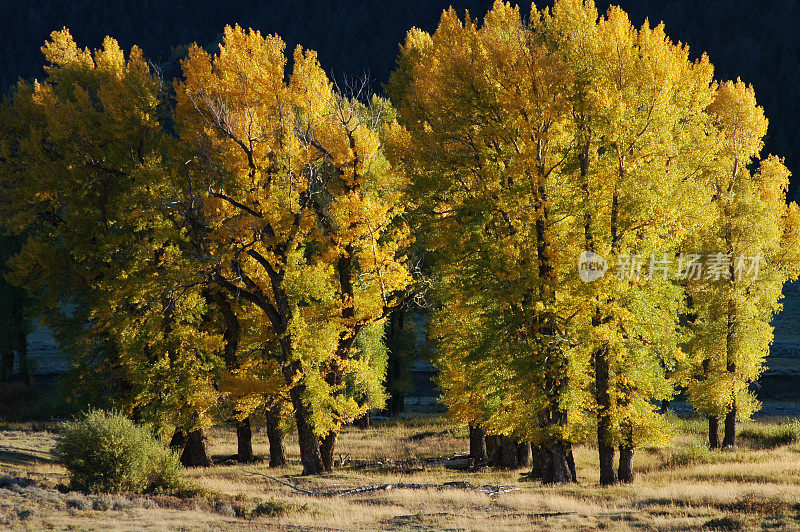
{"points": [[11, 456]]}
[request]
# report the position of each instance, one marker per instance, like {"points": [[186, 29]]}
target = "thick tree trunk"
{"points": [[537, 463], [477, 446], [277, 449], [493, 450], [310, 455], [555, 465], [713, 432], [508, 453], [195, 453], [244, 441], [178, 441], [524, 455], [397, 403], [608, 476], [729, 440], [326, 447], [625, 473]]}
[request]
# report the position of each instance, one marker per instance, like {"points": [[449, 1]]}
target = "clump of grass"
{"points": [[697, 453], [724, 523], [277, 508], [771, 436], [686, 425], [755, 504]]}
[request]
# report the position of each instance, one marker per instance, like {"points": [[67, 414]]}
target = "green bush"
{"points": [[773, 435], [106, 452]]}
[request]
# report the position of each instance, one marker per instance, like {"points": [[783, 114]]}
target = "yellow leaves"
{"points": [[61, 50], [110, 59], [241, 383], [773, 181], [311, 90], [740, 119]]}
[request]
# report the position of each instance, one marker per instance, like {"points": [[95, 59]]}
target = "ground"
{"points": [[683, 486]]}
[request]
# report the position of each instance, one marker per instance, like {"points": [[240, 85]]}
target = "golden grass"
{"points": [[681, 487]]}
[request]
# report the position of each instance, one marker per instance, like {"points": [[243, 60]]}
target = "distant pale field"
{"points": [[681, 487]]}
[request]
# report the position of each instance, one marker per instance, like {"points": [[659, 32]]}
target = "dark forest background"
{"points": [[757, 41]]}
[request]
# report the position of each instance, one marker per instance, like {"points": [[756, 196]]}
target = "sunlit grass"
{"points": [[680, 487]]}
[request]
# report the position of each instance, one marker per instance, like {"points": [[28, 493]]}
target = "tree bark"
{"points": [[493, 450], [556, 468], [244, 441], [625, 473], [508, 453], [326, 448], [608, 476], [524, 454], [477, 446], [571, 465], [729, 439], [713, 432], [178, 441], [537, 464], [310, 455], [277, 449], [195, 453]]}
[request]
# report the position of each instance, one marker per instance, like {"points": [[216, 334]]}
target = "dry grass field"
{"points": [[681, 487]]}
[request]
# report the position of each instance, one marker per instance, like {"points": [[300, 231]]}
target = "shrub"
{"points": [[107, 453], [277, 508], [773, 435]]}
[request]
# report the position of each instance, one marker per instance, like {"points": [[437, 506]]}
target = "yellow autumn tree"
{"points": [[485, 115], [84, 180], [300, 213], [751, 249]]}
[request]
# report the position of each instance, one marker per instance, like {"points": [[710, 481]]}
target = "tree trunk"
{"points": [[625, 473], [713, 432], [556, 468], [493, 450], [729, 439], [537, 462], [326, 448], [7, 364], [524, 454], [195, 453], [508, 453], [178, 441], [244, 441], [571, 465], [477, 446], [277, 449], [310, 455], [608, 476]]}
